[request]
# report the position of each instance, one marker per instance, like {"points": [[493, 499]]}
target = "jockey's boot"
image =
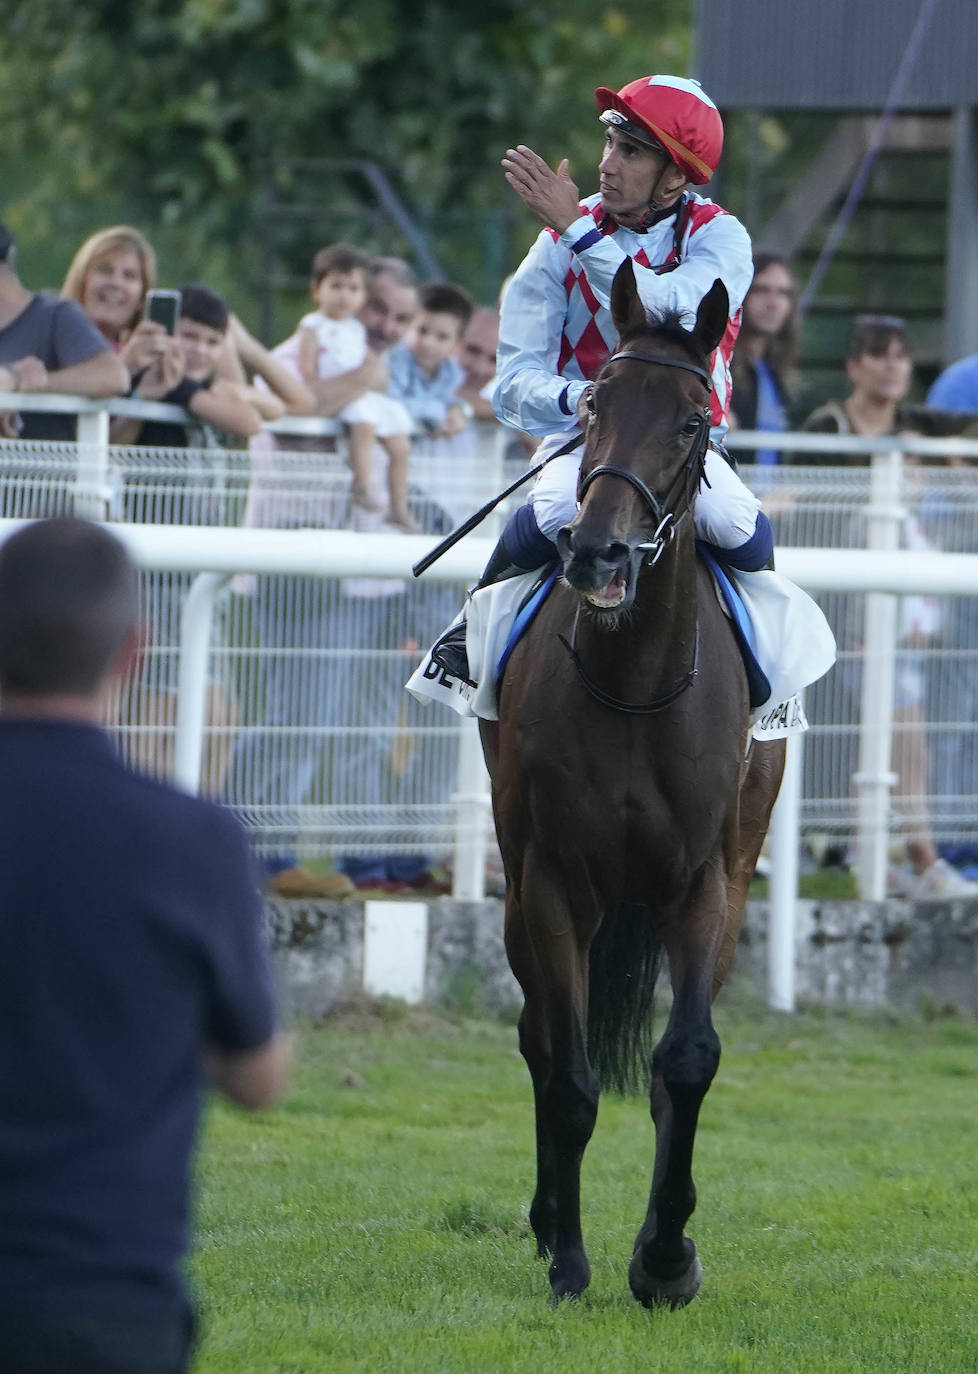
{"points": [[449, 652]]}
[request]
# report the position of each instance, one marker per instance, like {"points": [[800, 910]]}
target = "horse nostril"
{"points": [[565, 542], [616, 553]]}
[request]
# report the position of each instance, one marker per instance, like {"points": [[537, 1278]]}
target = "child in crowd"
{"points": [[183, 373], [425, 373], [331, 340]]}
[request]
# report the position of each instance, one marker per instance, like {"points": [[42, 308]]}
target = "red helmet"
{"points": [[676, 112]]}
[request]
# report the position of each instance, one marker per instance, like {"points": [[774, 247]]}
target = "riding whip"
{"points": [[450, 540]]}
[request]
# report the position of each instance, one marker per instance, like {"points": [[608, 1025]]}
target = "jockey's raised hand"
{"points": [[551, 195]]}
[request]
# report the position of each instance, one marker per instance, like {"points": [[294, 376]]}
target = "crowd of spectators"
{"points": [[407, 368]]}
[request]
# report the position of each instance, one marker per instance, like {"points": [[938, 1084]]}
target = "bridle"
{"points": [[666, 522], [666, 525]]}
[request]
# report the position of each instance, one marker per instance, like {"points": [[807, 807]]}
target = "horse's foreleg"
{"points": [[536, 1050], [665, 1267], [552, 969]]}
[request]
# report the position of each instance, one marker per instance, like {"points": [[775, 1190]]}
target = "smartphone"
{"points": [[163, 307]]}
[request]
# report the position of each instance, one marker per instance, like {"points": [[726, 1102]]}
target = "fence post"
{"points": [[783, 888], [875, 779], [472, 810], [92, 494], [195, 639]]}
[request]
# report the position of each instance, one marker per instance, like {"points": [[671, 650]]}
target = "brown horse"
{"points": [[629, 810]]}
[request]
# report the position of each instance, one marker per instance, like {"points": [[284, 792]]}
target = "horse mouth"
{"points": [[612, 594]]}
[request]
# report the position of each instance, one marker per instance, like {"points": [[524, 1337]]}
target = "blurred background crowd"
{"points": [[324, 200]]}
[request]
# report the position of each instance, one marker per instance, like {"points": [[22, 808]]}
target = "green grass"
{"points": [[377, 1220]]}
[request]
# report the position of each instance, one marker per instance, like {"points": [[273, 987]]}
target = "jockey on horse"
{"points": [[661, 134]]}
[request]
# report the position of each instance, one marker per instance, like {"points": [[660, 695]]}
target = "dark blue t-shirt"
{"points": [[130, 938]]}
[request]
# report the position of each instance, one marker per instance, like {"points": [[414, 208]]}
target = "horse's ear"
{"points": [[627, 311], [712, 317]]}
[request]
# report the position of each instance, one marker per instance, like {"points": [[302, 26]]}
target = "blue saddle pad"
{"points": [[525, 614], [758, 686]]}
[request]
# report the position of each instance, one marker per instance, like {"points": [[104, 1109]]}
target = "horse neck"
{"points": [[656, 641]]}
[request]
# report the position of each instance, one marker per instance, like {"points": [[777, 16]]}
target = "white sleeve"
{"points": [[529, 392], [721, 248]]}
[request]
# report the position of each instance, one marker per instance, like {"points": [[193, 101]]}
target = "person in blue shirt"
{"points": [[134, 969], [957, 386], [425, 372]]}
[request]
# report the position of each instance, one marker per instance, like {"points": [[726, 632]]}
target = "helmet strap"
{"points": [[655, 213]]}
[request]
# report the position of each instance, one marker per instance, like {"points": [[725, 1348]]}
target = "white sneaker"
{"points": [[940, 881]]}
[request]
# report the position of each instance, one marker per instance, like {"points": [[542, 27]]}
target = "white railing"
{"points": [[810, 507]]}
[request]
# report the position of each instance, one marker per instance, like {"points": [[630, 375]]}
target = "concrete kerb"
{"points": [[849, 954]]}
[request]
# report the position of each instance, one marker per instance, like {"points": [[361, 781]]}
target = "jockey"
{"points": [[661, 134]]}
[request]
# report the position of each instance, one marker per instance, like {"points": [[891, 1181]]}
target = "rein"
{"points": [[631, 708], [666, 525]]}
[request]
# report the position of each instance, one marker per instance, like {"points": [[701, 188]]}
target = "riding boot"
{"points": [[449, 652]]}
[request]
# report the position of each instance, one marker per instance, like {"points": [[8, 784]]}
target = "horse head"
{"points": [[645, 441]]}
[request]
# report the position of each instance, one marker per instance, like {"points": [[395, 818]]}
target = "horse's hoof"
{"points": [[673, 1291], [568, 1280]]}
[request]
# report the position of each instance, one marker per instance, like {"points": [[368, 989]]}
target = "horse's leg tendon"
{"points": [[553, 1042], [665, 1267]]}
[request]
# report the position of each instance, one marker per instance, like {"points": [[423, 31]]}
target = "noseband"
{"points": [[666, 522]]}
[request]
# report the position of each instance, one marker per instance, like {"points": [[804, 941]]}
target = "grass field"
{"points": [[377, 1220]]}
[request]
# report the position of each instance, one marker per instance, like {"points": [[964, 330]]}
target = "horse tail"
{"points": [[624, 965]]}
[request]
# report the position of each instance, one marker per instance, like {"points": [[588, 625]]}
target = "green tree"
{"points": [[171, 111]]}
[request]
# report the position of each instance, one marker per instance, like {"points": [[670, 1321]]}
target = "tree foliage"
{"points": [[171, 109]]}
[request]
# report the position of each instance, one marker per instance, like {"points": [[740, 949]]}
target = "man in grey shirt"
{"points": [[47, 344]]}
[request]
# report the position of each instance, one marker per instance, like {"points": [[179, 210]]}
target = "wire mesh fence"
{"points": [[310, 736]]}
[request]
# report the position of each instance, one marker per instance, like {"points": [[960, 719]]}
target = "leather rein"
{"points": [[666, 526]]}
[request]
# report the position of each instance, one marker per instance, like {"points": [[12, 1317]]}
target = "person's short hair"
{"points": [[338, 257], [69, 601], [8, 244], [395, 268], [204, 306], [100, 245], [874, 334], [445, 298]]}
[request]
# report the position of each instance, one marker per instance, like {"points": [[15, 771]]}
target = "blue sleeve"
{"points": [[425, 399]]}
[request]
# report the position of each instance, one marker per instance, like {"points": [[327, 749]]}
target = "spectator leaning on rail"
{"points": [[48, 345], [131, 944], [109, 277], [426, 376], [661, 134], [478, 358], [182, 371], [302, 623], [331, 341]]}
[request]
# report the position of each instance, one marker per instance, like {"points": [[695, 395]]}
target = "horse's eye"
{"points": [[692, 425], [589, 405]]}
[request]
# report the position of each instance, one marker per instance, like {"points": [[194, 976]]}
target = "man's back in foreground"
{"points": [[130, 941]]}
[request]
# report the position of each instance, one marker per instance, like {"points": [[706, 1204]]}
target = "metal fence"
{"points": [[308, 733], [923, 665]]}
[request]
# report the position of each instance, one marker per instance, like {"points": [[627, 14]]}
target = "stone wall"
{"points": [[864, 954]]}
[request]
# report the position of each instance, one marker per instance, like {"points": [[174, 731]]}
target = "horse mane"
{"points": [[667, 325]]}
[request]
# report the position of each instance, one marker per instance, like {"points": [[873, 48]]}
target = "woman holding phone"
{"points": [[109, 277]]}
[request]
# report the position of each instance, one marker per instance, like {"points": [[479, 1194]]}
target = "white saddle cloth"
{"points": [[794, 644]]}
